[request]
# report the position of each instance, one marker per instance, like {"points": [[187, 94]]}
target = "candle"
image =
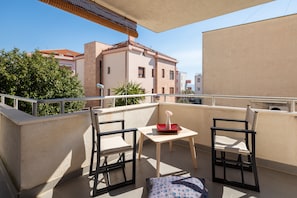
{"points": [[168, 121]]}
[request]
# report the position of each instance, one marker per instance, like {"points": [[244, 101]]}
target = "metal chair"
{"points": [[236, 149], [110, 144]]}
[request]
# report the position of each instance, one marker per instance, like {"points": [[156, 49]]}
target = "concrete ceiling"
{"points": [[155, 15], [162, 15]]}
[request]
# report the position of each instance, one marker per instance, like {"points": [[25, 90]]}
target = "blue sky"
{"points": [[31, 24]]}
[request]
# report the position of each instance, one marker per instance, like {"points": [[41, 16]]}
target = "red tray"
{"points": [[174, 128]]}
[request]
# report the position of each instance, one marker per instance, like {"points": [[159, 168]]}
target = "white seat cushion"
{"points": [[232, 145], [114, 144]]}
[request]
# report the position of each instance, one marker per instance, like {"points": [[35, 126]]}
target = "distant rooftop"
{"points": [[135, 44], [61, 52]]}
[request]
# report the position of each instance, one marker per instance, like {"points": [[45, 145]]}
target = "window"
{"points": [[198, 79], [108, 92], [163, 90], [153, 73], [108, 70], [171, 74], [163, 73], [141, 72], [171, 90]]}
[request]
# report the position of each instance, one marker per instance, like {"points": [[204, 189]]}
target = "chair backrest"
{"points": [[94, 120], [251, 117]]}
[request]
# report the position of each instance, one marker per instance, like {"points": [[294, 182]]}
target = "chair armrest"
{"points": [[113, 121], [228, 120], [134, 130], [232, 130]]}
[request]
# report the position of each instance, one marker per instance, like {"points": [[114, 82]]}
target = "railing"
{"points": [[16, 100], [288, 101], [62, 101]]}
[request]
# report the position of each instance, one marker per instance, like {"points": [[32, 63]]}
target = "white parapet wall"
{"points": [[276, 136], [40, 152]]}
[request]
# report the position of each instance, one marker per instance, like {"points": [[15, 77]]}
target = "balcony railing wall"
{"points": [[289, 103], [39, 152]]}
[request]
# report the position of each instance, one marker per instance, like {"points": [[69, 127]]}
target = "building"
{"points": [[65, 57], [181, 82], [113, 65], [254, 59], [198, 84]]}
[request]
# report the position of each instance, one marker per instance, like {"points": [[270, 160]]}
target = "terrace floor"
{"points": [[272, 183]]}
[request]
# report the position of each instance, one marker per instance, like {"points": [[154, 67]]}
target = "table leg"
{"points": [[193, 151], [158, 153], [140, 145], [170, 145]]}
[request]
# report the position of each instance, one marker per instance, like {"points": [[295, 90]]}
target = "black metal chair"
{"points": [[235, 148], [110, 144]]}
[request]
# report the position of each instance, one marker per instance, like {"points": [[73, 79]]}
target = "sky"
{"points": [[31, 25]]}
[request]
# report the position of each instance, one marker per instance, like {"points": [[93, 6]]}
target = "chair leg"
{"points": [[134, 165], [223, 157], [254, 168], [95, 183], [213, 162], [122, 161], [106, 168], [91, 172], [94, 151], [241, 168], [237, 164]]}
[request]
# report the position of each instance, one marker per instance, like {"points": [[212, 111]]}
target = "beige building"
{"points": [[126, 62], [66, 58], [181, 78], [113, 65], [255, 59], [198, 84]]}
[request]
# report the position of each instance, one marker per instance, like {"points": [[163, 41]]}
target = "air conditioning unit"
{"points": [[278, 108]]}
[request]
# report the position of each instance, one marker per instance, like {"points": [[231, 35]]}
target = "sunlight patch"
{"points": [[165, 169], [232, 193]]}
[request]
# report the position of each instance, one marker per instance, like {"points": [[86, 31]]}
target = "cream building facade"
{"points": [[66, 58], [181, 82], [198, 84], [255, 59], [113, 65]]}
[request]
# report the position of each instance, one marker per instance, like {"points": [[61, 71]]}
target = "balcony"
{"points": [[49, 156]]}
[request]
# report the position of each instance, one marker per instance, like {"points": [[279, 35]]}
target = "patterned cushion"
{"points": [[176, 186]]}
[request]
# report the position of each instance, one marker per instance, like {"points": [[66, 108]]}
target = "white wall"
{"points": [[137, 59], [80, 70], [117, 64], [39, 152], [198, 84]]}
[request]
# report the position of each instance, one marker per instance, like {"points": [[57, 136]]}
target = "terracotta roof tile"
{"points": [[64, 52]]}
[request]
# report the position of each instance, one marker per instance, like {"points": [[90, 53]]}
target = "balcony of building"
{"points": [[49, 156]]}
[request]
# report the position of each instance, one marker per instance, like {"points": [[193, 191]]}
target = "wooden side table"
{"points": [[151, 133]]}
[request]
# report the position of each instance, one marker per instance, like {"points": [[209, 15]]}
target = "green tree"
{"points": [[129, 88], [185, 99], [38, 77]]}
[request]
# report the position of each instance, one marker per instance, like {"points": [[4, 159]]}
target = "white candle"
{"points": [[168, 121]]}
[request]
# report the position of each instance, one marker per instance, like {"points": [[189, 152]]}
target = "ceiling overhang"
{"points": [[94, 12], [155, 15]]}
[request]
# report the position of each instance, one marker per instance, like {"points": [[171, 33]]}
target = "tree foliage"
{"points": [[186, 99], [129, 88], [38, 77]]}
